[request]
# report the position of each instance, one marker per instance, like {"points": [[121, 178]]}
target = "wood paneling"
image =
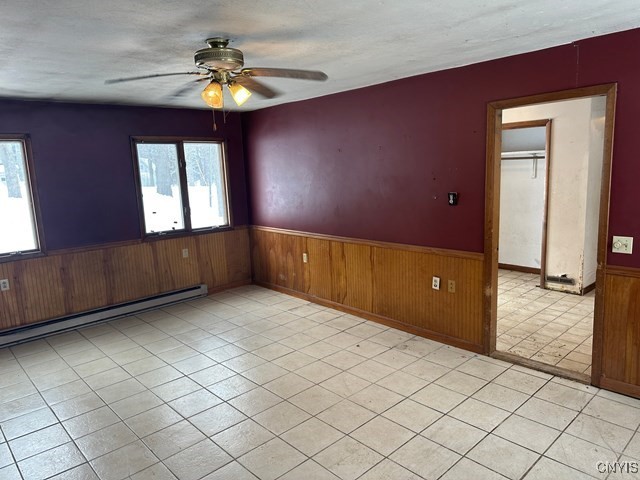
{"points": [[621, 342], [389, 282], [71, 282], [277, 260], [359, 262]]}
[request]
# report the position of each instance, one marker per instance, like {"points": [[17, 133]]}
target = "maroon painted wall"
{"points": [[377, 163], [82, 160]]}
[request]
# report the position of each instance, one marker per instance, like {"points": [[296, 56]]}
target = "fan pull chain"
{"points": [[215, 127]]}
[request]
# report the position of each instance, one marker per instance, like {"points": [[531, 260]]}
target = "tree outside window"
{"points": [[182, 184]]}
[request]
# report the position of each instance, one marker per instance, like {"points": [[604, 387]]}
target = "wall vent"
{"points": [[561, 279]]}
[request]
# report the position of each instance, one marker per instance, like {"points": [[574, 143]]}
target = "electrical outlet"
{"points": [[4, 285], [305, 258], [451, 286], [185, 253], [622, 245], [435, 284]]}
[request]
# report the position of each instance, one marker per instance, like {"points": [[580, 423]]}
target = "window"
{"points": [[182, 185], [18, 229]]}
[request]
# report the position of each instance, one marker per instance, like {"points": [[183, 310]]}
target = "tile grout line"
{"points": [[341, 371]]}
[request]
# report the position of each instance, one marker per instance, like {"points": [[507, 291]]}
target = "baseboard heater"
{"points": [[112, 312]]}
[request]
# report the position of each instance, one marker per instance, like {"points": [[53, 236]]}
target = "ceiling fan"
{"points": [[221, 65]]}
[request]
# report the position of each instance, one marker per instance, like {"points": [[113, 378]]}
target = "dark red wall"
{"points": [[377, 163], [82, 160]]}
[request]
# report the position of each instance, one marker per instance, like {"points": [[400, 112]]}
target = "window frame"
{"points": [[179, 142], [32, 181]]}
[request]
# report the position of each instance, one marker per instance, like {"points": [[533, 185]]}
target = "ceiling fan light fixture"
{"points": [[219, 56], [212, 95], [221, 65], [239, 93]]}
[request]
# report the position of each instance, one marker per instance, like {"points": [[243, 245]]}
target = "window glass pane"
{"points": [[17, 225], [205, 178], [160, 183]]}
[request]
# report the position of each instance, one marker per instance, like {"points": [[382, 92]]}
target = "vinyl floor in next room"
{"points": [[551, 327]]}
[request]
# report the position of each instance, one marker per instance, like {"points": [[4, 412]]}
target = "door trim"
{"points": [[492, 210]]}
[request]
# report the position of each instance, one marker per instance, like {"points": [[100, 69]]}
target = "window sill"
{"points": [[152, 237], [21, 256]]}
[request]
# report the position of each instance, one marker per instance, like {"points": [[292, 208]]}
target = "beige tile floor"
{"points": [[551, 327], [255, 384]]}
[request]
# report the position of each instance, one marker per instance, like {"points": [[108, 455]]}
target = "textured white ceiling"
{"points": [[65, 49]]}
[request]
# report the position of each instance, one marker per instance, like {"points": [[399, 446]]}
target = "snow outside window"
{"points": [[18, 233], [183, 185]]}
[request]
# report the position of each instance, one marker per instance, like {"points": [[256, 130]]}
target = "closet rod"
{"points": [[531, 157]]}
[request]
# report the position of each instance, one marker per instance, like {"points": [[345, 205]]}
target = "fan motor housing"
{"points": [[219, 58]]}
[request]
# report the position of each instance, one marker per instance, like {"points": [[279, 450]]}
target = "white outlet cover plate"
{"points": [[435, 284], [622, 245]]}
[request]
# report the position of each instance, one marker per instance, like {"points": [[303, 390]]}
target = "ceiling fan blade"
{"points": [[187, 88], [256, 86], [284, 73], [155, 75]]}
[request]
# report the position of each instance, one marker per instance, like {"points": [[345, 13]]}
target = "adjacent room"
{"points": [[325, 241], [551, 183]]}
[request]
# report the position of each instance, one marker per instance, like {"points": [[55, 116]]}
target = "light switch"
{"points": [[622, 245]]}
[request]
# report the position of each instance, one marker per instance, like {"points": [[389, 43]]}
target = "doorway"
{"points": [[547, 268], [524, 173]]}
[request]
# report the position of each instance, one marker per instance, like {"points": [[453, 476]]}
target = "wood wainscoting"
{"points": [[621, 342], [70, 282], [385, 282]]}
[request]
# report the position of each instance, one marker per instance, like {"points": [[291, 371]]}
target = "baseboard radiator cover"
{"points": [[69, 322]]}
